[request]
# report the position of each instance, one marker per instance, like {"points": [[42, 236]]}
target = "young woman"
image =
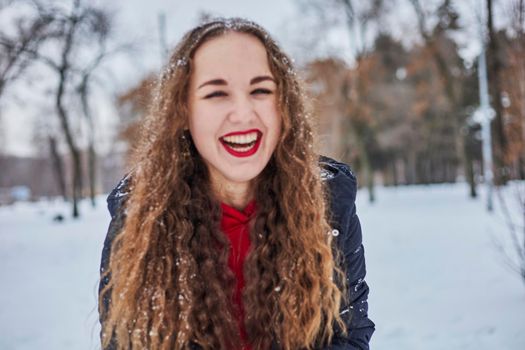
{"points": [[230, 232]]}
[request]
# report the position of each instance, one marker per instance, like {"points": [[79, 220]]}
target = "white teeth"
{"points": [[243, 149], [241, 139]]}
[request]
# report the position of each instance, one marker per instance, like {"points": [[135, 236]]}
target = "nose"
{"points": [[242, 111]]}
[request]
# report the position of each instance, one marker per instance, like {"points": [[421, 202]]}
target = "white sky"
{"points": [[137, 21]]}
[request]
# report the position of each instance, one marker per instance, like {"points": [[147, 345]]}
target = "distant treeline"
{"points": [[38, 174]]}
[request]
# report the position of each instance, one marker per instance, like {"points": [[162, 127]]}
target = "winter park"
{"points": [[103, 117]]}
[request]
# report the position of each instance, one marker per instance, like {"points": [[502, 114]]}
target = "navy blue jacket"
{"points": [[346, 229]]}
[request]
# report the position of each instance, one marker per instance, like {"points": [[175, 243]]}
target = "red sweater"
{"points": [[235, 225]]}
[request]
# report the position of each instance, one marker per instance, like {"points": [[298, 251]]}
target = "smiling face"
{"points": [[234, 120]]}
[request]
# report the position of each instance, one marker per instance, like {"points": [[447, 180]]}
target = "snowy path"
{"points": [[436, 279]]}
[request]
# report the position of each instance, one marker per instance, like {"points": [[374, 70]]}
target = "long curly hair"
{"points": [[169, 282]]}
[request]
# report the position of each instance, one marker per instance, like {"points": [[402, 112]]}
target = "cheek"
{"points": [[272, 118], [273, 126], [276, 124], [199, 133], [200, 122]]}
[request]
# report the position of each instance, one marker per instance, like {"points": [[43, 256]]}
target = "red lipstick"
{"points": [[244, 153], [242, 132]]}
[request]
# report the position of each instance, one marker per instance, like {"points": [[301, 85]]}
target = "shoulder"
{"points": [[331, 168], [340, 180], [119, 194], [341, 190], [341, 185]]}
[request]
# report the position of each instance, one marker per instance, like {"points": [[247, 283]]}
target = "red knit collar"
{"points": [[234, 216]]}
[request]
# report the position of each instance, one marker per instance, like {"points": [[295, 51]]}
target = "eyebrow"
{"points": [[261, 78], [223, 82]]}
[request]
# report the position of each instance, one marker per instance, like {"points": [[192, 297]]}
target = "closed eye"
{"points": [[216, 94], [262, 91]]}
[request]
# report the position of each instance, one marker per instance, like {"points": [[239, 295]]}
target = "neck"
{"points": [[234, 195]]}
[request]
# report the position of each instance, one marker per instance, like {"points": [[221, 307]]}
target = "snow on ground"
{"points": [[49, 277], [436, 278]]}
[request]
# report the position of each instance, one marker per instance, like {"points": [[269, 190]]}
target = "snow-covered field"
{"points": [[436, 278], [437, 281]]}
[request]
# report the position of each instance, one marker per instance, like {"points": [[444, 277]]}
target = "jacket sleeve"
{"points": [[355, 312], [115, 206]]}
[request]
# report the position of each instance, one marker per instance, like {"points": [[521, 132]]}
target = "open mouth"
{"points": [[242, 144]]}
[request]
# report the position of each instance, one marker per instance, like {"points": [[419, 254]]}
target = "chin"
{"points": [[243, 175]]}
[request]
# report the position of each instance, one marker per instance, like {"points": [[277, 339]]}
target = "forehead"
{"points": [[231, 55]]}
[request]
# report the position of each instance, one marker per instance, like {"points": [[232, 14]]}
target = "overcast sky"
{"points": [[137, 21]]}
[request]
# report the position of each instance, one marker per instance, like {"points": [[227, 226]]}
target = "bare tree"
{"points": [[84, 90], [85, 26], [45, 144], [19, 49], [102, 26], [72, 44], [58, 166]]}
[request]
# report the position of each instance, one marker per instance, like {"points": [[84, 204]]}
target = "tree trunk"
{"points": [[62, 71], [367, 169], [470, 175], [92, 156], [495, 66], [521, 168], [92, 162], [75, 154], [411, 172], [58, 167], [395, 177]]}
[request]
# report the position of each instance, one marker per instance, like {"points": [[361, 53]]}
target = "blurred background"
{"points": [[424, 99]]}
